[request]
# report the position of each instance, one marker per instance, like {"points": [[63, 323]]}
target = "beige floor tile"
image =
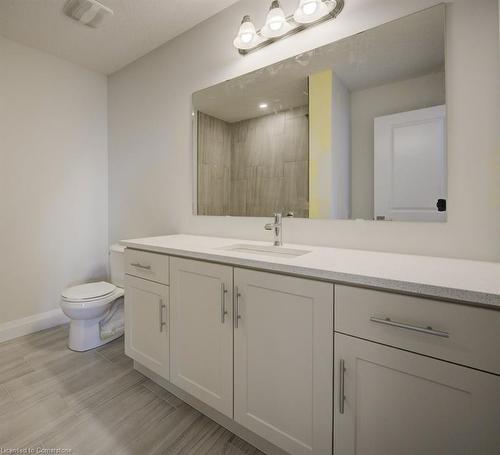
{"points": [[23, 424], [95, 403], [163, 394]]}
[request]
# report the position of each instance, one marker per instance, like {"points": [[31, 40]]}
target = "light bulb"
{"points": [[246, 37], [275, 17], [276, 24], [309, 7], [246, 34], [312, 10], [247, 30]]}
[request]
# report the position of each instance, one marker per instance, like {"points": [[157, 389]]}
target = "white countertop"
{"points": [[472, 282]]}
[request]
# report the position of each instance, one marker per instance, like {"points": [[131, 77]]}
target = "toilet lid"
{"points": [[88, 291]]}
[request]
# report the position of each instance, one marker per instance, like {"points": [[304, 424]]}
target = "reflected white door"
{"points": [[410, 165]]}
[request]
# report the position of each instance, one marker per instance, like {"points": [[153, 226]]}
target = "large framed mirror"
{"points": [[354, 129]]}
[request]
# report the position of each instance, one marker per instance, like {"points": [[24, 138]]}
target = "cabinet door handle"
{"points": [[237, 316], [415, 328], [140, 266], [223, 312], [341, 385], [161, 307]]}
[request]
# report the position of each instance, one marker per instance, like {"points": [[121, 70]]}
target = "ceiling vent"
{"points": [[88, 12]]}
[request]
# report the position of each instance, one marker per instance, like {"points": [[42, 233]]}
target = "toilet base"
{"points": [[84, 334]]}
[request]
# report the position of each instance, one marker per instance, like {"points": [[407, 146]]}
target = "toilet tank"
{"points": [[117, 265]]}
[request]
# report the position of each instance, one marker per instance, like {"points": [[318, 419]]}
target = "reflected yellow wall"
{"points": [[320, 145]]}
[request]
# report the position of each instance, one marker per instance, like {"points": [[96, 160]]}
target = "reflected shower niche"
{"points": [[354, 129]]}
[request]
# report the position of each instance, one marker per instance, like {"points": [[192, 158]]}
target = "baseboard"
{"points": [[31, 324], [239, 430]]}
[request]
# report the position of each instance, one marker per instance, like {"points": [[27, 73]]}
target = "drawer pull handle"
{"points": [[140, 266], [161, 307], [223, 311], [237, 316], [341, 386], [428, 330]]}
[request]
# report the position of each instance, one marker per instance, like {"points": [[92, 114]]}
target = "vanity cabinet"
{"points": [[202, 331], [313, 368], [283, 350], [390, 401], [283, 343], [147, 324], [414, 375]]}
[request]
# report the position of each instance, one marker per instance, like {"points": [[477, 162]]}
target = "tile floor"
{"points": [[96, 403]]}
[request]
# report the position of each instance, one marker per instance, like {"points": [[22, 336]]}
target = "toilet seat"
{"points": [[88, 292], [93, 303], [89, 308]]}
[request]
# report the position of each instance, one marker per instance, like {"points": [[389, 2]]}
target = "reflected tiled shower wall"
{"points": [[254, 167], [214, 165]]}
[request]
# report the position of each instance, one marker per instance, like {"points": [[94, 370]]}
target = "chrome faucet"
{"points": [[277, 227]]}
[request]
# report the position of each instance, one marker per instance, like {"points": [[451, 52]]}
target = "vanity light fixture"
{"points": [[277, 26], [263, 105]]}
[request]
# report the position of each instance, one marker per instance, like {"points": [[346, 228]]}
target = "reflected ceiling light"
{"points": [[277, 26], [263, 105], [276, 22]]}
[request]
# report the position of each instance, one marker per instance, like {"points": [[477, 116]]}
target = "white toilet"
{"points": [[96, 309]]}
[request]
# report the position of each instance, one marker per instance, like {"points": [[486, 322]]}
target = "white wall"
{"points": [[150, 132], [416, 93], [53, 179]]}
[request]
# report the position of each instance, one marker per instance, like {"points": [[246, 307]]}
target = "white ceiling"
{"points": [[137, 27], [408, 47]]}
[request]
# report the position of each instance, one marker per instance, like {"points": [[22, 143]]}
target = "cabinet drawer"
{"points": [[457, 333], [151, 266]]}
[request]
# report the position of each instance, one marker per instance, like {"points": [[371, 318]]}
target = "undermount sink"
{"points": [[275, 251]]}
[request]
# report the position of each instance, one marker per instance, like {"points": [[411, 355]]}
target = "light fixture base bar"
{"points": [[295, 29]]}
